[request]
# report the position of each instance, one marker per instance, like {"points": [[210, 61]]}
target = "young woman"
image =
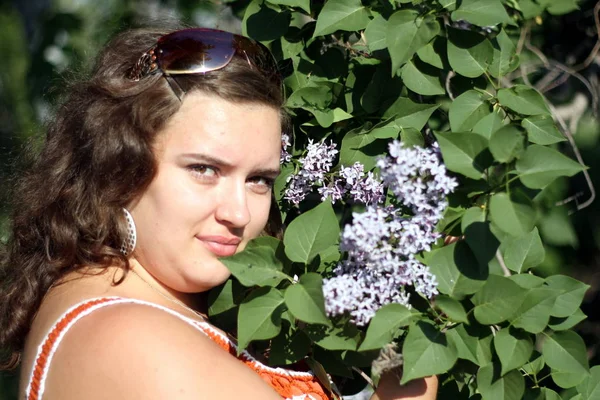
{"points": [[158, 164]]}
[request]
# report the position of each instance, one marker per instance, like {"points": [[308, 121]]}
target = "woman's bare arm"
{"points": [[389, 388]]}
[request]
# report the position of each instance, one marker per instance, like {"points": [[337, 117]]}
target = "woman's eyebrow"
{"points": [[218, 162], [268, 172]]}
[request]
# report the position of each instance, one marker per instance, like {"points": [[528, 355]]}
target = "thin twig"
{"points": [[551, 85], [562, 67], [523, 37], [366, 377], [538, 53], [590, 58], [449, 77], [502, 263], [551, 76], [569, 199], [524, 75], [582, 79], [571, 140]]}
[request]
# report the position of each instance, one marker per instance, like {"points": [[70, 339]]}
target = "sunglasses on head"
{"points": [[201, 50]]}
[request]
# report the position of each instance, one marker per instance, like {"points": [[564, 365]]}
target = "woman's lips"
{"points": [[221, 246]]}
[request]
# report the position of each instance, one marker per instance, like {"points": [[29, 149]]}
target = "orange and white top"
{"points": [[291, 385]]}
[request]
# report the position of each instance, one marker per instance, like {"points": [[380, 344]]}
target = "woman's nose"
{"points": [[233, 208]]}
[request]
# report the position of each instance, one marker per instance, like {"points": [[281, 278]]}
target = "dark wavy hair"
{"points": [[97, 157]]}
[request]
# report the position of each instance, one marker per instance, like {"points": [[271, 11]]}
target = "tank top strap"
{"points": [[50, 343], [291, 385]]}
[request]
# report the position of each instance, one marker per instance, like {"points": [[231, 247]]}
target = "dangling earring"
{"points": [[129, 243]]}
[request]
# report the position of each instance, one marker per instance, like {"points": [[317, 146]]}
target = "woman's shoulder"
{"points": [[132, 350]]}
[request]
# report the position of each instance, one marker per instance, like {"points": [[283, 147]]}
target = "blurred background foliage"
{"points": [[46, 43]]}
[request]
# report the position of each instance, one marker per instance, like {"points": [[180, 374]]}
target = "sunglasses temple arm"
{"points": [[179, 92]]}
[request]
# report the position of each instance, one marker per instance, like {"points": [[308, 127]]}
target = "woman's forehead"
{"points": [[207, 123]]}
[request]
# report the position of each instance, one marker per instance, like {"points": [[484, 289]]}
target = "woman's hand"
{"points": [[389, 388]]}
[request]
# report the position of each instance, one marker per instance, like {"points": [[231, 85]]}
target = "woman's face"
{"points": [[212, 192]]}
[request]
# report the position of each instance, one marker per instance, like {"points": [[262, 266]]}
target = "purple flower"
{"points": [[314, 165], [381, 243], [285, 157]]}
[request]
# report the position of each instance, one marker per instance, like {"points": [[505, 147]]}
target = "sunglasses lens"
{"points": [[193, 51]]}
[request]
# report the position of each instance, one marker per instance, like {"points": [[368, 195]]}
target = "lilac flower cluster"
{"points": [[285, 156], [315, 164], [381, 243], [353, 182], [348, 181]]}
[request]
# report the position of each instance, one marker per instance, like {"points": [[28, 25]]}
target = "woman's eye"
{"points": [[203, 171], [265, 184]]}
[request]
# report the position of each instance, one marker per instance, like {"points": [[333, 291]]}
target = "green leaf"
{"points": [[513, 348], [434, 53], [305, 299], [423, 344], [590, 387], [450, 5], [327, 117], [469, 53], [493, 387], [482, 12], [375, 34], [336, 337], [564, 323], [523, 100], [507, 143], [557, 226], [412, 137], [353, 144], [315, 96], [478, 235], [289, 348], [527, 281], [312, 233], [570, 294], [513, 218], [384, 325], [344, 15], [407, 32], [565, 351], [303, 4], [567, 379], [550, 394], [408, 114], [422, 80], [471, 344], [523, 252], [505, 58], [461, 152], [260, 316], [263, 23], [222, 299], [534, 313], [457, 270], [530, 9], [452, 308], [489, 124], [541, 165], [535, 365], [256, 266], [541, 129], [467, 110], [498, 300], [385, 130]]}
